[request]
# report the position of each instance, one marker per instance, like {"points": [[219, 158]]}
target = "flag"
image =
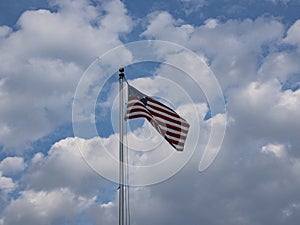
{"points": [[165, 120]]}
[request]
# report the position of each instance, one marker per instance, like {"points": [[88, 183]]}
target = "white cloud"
{"points": [[105, 213], [243, 186], [266, 111], [4, 31], [12, 165], [293, 34], [37, 158], [278, 1], [65, 167], [54, 207], [7, 185], [191, 6], [233, 48], [211, 23], [163, 26], [70, 162], [42, 61], [279, 65], [277, 149]]}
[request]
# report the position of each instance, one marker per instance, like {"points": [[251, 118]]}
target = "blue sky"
{"points": [[51, 175]]}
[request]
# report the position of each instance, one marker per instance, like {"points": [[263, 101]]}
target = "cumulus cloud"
{"points": [[66, 167], [263, 110], [233, 48], [277, 150], [74, 162], [54, 207], [6, 184], [293, 34], [255, 179], [163, 26], [43, 60], [4, 31], [261, 114], [12, 165]]}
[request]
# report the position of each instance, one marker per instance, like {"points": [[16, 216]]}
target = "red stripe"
{"points": [[181, 123], [138, 116], [153, 109], [146, 110], [168, 126], [157, 102], [155, 125], [137, 110], [163, 108], [153, 113], [175, 135], [171, 127], [168, 132], [130, 104], [174, 142]]}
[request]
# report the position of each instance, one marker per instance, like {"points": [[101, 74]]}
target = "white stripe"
{"points": [[181, 121], [175, 139], [155, 117], [160, 106], [178, 147], [161, 126], [165, 114], [138, 113], [173, 131], [136, 107], [170, 123]]}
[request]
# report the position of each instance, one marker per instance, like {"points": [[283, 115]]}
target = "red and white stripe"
{"points": [[165, 120]]}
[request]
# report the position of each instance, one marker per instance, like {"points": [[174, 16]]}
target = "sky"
{"points": [[218, 63]]}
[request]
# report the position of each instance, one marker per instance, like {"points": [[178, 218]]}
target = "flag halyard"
{"points": [[165, 120]]}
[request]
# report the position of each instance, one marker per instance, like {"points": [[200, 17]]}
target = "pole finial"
{"points": [[121, 74]]}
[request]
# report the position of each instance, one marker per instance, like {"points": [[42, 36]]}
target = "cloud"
{"points": [[65, 167], [191, 6], [54, 207], [43, 60], [279, 65], [293, 34], [233, 48], [70, 162], [12, 165], [264, 111], [105, 213], [255, 178], [4, 31], [164, 27], [277, 150], [245, 185], [7, 185], [278, 1]]}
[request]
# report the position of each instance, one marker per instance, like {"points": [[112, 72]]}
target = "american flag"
{"points": [[165, 120]]}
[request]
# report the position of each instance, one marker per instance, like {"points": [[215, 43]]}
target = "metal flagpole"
{"points": [[121, 152]]}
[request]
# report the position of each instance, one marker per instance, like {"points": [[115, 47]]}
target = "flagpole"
{"points": [[121, 152]]}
